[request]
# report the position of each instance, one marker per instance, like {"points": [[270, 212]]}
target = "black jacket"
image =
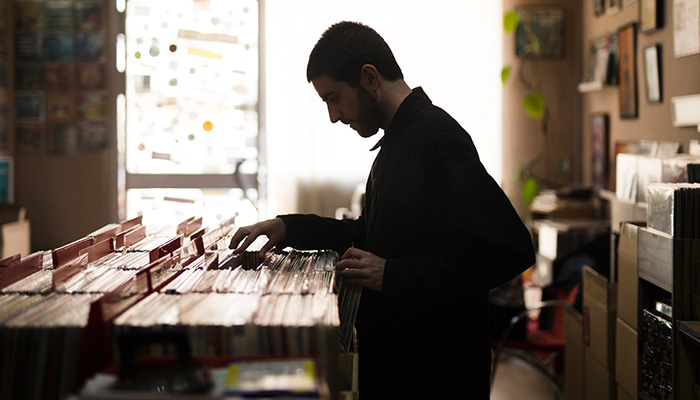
{"points": [[449, 234]]}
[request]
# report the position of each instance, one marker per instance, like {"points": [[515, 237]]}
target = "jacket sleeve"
{"points": [[313, 232], [472, 237]]}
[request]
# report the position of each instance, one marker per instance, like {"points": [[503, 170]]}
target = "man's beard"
{"points": [[370, 116]]}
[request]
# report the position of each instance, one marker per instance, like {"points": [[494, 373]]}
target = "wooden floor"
{"points": [[518, 380]]}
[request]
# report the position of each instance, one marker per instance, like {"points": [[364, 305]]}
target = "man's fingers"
{"points": [[267, 247], [248, 240], [347, 264], [352, 253], [238, 236]]}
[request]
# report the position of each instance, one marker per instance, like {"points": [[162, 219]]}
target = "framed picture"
{"points": [[652, 73], [599, 7], [613, 6], [599, 145], [546, 25], [627, 42], [650, 15], [685, 28]]}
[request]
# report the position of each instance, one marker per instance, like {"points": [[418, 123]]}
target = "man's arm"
{"points": [[303, 232]]}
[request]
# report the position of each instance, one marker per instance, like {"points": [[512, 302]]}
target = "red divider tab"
{"points": [[13, 259], [65, 254], [126, 225], [167, 248], [20, 270], [182, 226], [193, 225], [120, 239], [163, 271], [60, 275], [98, 250], [110, 233], [134, 236]]}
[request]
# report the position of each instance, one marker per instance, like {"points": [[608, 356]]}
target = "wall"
{"points": [[520, 133], [680, 76]]}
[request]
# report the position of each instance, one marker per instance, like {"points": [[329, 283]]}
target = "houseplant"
{"points": [[538, 37]]}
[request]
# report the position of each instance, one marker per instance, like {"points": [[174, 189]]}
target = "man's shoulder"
{"points": [[432, 122]]}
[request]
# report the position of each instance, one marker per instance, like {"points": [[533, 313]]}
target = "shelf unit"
{"points": [[667, 275]]}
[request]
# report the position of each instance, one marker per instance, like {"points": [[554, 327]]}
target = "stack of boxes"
{"points": [[599, 311], [626, 338], [601, 342]]}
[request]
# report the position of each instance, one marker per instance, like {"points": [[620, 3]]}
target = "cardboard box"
{"points": [[15, 233], [599, 313], [622, 211], [627, 278], [626, 358], [573, 354], [599, 382]]}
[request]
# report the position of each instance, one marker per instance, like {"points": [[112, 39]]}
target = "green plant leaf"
{"points": [[530, 190], [534, 104], [505, 73], [519, 173], [510, 21]]}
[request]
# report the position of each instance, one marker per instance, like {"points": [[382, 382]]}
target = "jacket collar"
{"points": [[412, 103]]}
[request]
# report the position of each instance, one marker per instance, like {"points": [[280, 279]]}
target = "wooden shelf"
{"points": [[690, 330], [588, 87]]}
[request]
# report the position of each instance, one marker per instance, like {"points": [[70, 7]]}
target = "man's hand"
{"points": [[274, 229], [361, 268]]}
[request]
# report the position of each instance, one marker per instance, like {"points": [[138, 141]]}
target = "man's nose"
{"points": [[334, 114]]}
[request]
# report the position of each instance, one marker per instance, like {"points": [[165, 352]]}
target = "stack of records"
{"points": [[40, 336], [288, 305], [674, 208]]}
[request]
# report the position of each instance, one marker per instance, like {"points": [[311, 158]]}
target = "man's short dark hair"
{"points": [[345, 47]]}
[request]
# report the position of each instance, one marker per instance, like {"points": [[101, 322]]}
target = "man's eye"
{"points": [[333, 99]]}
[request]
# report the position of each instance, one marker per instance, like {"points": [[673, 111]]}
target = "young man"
{"points": [[436, 232]]}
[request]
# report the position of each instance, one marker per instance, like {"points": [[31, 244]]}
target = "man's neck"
{"points": [[393, 94]]}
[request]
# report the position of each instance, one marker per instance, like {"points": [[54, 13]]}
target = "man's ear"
{"points": [[369, 77]]}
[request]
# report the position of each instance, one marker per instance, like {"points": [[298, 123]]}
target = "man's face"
{"points": [[353, 106]]}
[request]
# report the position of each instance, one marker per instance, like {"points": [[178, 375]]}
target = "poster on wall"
{"points": [[652, 72], [600, 142], [546, 23], [651, 15], [627, 42], [613, 6], [686, 27]]}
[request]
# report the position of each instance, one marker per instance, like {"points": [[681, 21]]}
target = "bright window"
{"points": [[191, 107]]}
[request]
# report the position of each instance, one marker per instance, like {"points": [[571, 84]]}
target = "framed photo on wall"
{"points": [[627, 42], [600, 140], [546, 24], [650, 15], [599, 7], [613, 6], [652, 73]]}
